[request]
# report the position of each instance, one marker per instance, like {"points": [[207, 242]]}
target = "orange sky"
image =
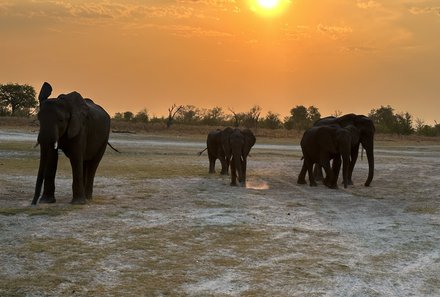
{"points": [[342, 55]]}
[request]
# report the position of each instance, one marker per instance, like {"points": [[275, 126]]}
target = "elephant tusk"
{"points": [[55, 146]]}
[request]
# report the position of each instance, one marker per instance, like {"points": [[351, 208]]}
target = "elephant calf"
{"points": [[322, 144]]}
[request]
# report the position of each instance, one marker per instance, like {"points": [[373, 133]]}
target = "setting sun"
{"points": [[268, 7], [268, 4]]}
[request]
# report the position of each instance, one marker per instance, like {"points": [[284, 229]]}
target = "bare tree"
{"points": [[337, 113], [238, 117], [172, 113]]}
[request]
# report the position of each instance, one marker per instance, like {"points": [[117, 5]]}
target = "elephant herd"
{"points": [[336, 138], [81, 129], [231, 147]]}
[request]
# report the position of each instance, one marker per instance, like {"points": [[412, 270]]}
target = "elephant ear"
{"points": [[78, 109], [46, 90], [249, 139]]}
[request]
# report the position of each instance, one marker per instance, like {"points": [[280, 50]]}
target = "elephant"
{"points": [[215, 151], [362, 128], [81, 129], [237, 144], [320, 144]]}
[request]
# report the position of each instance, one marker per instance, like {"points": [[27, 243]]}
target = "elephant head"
{"points": [[366, 131], [237, 145], [60, 119]]}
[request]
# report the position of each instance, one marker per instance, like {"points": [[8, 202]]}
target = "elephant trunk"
{"points": [[370, 157], [46, 174], [40, 176], [239, 168]]}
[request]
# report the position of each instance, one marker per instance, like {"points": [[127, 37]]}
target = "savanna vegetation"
{"points": [[20, 101]]}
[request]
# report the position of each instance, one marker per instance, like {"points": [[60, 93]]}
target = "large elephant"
{"points": [[364, 131], [78, 127], [237, 144], [215, 151], [320, 145]]}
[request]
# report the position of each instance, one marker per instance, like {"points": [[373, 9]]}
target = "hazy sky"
{"points": [[342, 55]]}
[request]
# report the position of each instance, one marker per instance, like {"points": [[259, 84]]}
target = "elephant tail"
{"points": [[201, 152], [113, 147]]}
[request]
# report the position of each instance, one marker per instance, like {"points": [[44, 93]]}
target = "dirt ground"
{"points": [[160, 225]]}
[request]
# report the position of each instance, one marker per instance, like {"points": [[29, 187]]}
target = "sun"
{"points": [[268, 4], [268, 7]]}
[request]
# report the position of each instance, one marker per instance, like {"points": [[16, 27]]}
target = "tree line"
{"points": [[20, 100]]}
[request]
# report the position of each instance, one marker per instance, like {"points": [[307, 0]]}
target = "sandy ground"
{"points": [[160, 225]]}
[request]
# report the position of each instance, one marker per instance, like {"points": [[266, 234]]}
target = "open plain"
{"points": [[160, 225]]}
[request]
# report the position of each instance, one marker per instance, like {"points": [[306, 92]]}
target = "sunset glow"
{"points": [[347, 56]]}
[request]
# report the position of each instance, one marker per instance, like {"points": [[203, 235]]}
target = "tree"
{"points": [[118, 116], [17, 99], [301, 117], [271, 121], [142, 116], [188, 114], [128, 116], [403, 124], [251, 117], [237, 117], [383, 118], [172, 113], [213, 117], [313, 114]]}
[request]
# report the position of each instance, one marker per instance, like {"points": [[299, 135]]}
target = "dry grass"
{"points": [[159, 225]]}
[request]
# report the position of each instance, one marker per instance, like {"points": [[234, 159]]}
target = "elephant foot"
{"points": [[335, 187], [233, 184], [224, 173], [301, 182], [350, 182], [45, 199], [78, 201], [313, 184], [211, 172]]}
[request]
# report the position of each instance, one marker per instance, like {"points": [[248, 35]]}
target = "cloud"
{"points": [[335, 32], [296, 33], [425, 10], [97, 11], [368, 4], [185, 31]]}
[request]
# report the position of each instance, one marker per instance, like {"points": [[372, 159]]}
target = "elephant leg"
{"points": [[309, 165], [336, 167], [78, 190], [244, 166], [49, 179], [224, 166], [354, 156], [90, 168], [211, 163], [329, 178], [233, 173], [302, 175], [318, 172]]}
